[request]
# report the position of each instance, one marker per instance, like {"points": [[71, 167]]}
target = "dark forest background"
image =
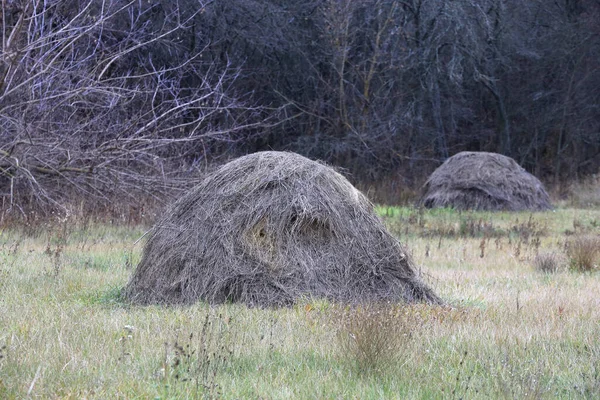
{"points": [[104, 100]]}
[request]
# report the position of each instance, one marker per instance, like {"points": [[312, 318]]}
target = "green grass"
{"points": [[513, 332]]}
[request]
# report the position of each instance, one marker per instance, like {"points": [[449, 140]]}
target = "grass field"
{"points": [[510, 330]]}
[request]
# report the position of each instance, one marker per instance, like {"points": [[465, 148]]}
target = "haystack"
{"points": [[484, 181], [268, 228]]}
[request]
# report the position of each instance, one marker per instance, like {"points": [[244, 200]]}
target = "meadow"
{"points": [[522, 320]]}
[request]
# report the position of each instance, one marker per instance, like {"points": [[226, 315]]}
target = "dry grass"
{"points": [[267, 229], [511, 332], [585, 193], [584, 252], [484, 181], [549, 262], [374, 336]]}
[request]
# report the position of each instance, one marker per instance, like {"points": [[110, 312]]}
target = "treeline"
{"points": [[115, 98]]}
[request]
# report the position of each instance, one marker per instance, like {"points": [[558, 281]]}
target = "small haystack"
{"points": [[484, 181], [268, 228]]}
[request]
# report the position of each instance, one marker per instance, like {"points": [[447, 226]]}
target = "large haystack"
{"points": [[484, 181], [268, 228]]}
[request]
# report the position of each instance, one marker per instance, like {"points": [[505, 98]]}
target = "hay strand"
{"points": [[268, 228], [484, 181]]}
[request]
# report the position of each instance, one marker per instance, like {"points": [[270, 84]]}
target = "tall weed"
{"points": [[374, 336]]}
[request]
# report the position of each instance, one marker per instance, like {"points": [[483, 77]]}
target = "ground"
{"points": [[509, 330]]}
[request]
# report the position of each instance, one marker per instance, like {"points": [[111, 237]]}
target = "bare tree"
{"points": [[102, 96], [99, 98]]}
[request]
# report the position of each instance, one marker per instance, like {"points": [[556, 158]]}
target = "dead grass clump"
{"points": [[548, 262], [374, 336], [586, 193], [484, 181], [584, 252], [268, 228]]}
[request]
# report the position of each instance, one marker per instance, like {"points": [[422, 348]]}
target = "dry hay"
{"points": [[484, 181], [268, 228]]}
